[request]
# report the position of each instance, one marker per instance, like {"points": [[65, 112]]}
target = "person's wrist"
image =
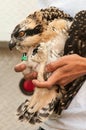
{"points": [[84, 65]]}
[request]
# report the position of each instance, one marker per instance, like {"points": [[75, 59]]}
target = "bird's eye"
{"points": [[21, 34]]}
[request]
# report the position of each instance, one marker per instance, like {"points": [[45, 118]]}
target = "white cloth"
{"points": [[74, 118]]}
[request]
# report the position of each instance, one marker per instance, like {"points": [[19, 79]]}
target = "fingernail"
{"points": [[34, 81], [23, 66]]}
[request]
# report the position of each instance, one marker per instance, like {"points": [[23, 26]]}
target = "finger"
{"points": [[65, 60], [44, 84], [20, 67], [56, 76], [30, 76], [55, 65], [51, 81]]}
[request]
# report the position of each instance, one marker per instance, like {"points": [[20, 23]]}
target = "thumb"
{"points": [[20, 67]]}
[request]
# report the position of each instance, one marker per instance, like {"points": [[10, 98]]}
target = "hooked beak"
{"points": [[11, 45]]}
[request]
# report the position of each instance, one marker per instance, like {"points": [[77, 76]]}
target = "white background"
{"points": [[12, 12]]}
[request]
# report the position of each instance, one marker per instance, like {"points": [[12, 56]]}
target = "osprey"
{"points": [[45, 36]]}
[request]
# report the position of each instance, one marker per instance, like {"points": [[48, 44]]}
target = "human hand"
{"points": [[21, 67], [64, 71]]}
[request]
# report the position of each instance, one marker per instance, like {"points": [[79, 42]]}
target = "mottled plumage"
{"points": [[45, 36], [75, 44]]}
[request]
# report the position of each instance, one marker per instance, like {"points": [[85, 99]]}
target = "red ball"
{"points": [[28, 85]]}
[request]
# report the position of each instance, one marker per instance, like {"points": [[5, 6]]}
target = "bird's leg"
{"points": [[42, 96], [38, 91]]}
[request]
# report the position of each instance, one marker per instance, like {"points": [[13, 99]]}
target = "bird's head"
{"points": [[27, 33], [35, 28]]}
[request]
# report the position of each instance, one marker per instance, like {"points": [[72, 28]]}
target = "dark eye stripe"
{"points": [[38, 29], [29, 32], [16, 34]]}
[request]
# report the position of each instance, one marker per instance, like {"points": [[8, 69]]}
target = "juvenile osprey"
{"points": [[45, 36]]}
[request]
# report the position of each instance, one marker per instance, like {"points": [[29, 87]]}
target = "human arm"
{"points": [[64, 71]]}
